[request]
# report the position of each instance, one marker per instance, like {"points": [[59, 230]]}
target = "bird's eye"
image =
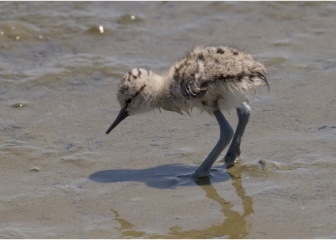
{"points": [[128, 101]]}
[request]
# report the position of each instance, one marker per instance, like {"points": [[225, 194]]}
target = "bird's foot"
{"points": [[231, 157], [201, 174]]}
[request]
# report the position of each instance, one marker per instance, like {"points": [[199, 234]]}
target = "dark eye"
{"points": [[128, 101]]}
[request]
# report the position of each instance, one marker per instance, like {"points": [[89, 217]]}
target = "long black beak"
{"points": [[121, 116]]}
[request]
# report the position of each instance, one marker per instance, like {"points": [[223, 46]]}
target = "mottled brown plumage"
{"points": [[208, 78]]}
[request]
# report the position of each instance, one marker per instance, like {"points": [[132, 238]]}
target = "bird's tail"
{"points": [[262, 76]]}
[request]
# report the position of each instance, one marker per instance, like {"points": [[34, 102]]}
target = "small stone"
{"points": [[101, 29], [34, 169], [128, 18], [19, 105]]}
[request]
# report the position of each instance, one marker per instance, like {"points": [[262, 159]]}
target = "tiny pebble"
{"points": [[34, 169], [19, 105], [101, 29]]}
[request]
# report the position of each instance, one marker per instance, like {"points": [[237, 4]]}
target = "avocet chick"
{"points": [[211, 79]]}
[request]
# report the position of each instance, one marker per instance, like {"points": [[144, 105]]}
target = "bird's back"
{"points": [[214, 75]]}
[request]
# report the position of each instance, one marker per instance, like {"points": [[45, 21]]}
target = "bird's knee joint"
{"points": [[244, 110]]}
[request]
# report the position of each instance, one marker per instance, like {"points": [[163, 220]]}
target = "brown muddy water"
{"points": [[63, 177]]}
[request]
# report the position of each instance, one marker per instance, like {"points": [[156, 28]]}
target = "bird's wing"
{"points": [[194, 83], [193, 88]]}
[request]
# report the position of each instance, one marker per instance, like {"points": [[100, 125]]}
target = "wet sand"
{"points": [[62, 177]]}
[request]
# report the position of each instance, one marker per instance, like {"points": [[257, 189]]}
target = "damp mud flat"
{"points": [[63, 177]]}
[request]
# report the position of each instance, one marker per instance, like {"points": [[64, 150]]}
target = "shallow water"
{"points": [[60, 63]]}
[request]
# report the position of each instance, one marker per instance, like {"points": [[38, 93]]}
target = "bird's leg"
{"points": [[226, 134], [233, 153]]}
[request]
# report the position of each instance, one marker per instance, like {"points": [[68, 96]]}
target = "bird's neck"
{"points": [[160, 93], [156, 88]]}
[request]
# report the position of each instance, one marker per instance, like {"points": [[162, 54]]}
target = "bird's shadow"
{"points": [[164, 176]]}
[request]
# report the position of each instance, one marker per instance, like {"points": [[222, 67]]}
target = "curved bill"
{"points": [[121, 116]]}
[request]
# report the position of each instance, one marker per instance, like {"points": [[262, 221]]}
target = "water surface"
{"points": [[62, 177]]}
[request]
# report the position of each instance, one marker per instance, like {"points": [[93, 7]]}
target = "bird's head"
{"points": [[133, 96]]}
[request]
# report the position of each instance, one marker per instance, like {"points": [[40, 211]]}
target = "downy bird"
{"points": [[210, 78]]}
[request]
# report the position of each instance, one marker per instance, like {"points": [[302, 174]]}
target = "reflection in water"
{"points": [[233, 226], [126, 228]]}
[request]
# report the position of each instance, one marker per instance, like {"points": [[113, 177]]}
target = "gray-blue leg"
{"points": [[226, 134], [233, 153]]}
